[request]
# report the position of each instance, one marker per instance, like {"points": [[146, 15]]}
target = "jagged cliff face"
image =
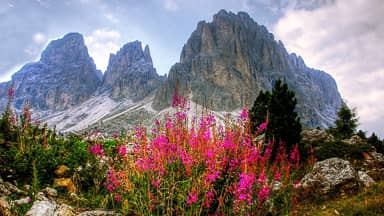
{"points": [[64, 77], [225, 64], [130, 73]]}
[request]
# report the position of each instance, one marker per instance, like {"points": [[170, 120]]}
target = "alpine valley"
{"points": [[223, 66]]}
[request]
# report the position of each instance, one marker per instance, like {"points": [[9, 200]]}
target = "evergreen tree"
{"points": [[376, 142], [258, 113], [345, 124], [283, 122]]}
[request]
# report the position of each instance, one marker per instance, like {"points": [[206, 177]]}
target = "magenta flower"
{"points": [[262, 127], [262, 178], [277, 176], [96, 150], [192, 198], [155, 183], [122, 150], [263, 194], [117, 198], [244, 114]]}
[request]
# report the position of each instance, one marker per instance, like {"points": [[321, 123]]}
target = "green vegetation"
{"points": [[277, 110], [345, 124]]}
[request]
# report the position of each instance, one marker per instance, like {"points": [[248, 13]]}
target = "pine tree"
{"points": [[376, 142], [283, 122], [345, 124], [258, 113]]}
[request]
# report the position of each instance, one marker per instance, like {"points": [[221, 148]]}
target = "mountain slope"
{"points": [[64, 77], [225, 64]]}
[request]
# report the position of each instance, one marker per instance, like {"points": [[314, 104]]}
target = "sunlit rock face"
{"points": [[225, 64]]}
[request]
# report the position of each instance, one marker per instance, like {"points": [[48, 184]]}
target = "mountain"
{"points": [[129, 83], [65, 76], [130, 73], [225, 64]]}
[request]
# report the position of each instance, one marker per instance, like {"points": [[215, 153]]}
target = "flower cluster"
{"points": [[199, 167]]}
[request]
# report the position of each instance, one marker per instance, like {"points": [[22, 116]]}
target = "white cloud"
{"points": [[110, 17], [100, 44], [39, 38], [346, 40], [170, 5]]}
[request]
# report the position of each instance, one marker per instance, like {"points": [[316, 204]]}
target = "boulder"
{"points": [[316, 136], [41, 196], [64, 210], [5, 208], [330, 176], [50, 192], [365, 179], [22, 201], [42, 208]]}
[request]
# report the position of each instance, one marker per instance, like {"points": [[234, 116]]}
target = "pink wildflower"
{"points": [[117, 198], [262, 127], [209, 196], [277, 176], [263, 194], [155, 183], [122, 150], [244, 114], [192, 198], [96, 150], [262, 178]]}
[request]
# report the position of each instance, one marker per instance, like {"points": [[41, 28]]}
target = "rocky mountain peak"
{"points": [[70, 48], [226, 62], [130, 73], [64, 77]]}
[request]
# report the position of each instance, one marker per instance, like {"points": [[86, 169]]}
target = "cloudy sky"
{"points": [[341, 37]]}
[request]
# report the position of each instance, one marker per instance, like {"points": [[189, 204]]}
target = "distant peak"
{"points": [[73, 35], [68, 48], [147, 53]]}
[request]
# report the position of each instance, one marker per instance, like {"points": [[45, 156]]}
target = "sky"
{"points": [[341, 37]]}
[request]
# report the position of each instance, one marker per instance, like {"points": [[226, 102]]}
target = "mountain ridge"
{"points": [[223, 66]]}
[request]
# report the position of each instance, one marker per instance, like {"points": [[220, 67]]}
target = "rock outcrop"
{"points": [[331, 176], [64, 77], [130, 73], [225, 64]]}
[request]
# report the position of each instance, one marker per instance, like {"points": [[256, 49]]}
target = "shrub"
{"points": [[342, 150]]}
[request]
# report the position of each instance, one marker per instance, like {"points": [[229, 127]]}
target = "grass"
{"points": [[369, 201]]}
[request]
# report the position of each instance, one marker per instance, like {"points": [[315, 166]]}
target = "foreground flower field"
{"points": [[197, 166]]}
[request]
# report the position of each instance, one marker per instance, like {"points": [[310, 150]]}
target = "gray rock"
{"points": [[41, 196], [330, 176], [225, 64], [42, 208], [64, 210], [130, 73], [315, 136], [22, 201], [365, 179], [12, 188], [50, 192], [374, 160]]}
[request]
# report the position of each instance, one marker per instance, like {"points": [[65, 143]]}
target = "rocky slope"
{"points": [[64, 77], [225, 63]]}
